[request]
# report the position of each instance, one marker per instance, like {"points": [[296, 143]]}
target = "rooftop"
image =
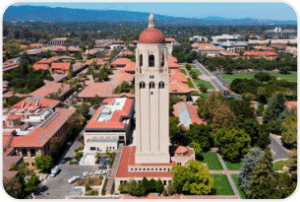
{"points": [[49, 88]]}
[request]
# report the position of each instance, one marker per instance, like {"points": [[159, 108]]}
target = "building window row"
{"points": [[161, 85], [150, 169]]}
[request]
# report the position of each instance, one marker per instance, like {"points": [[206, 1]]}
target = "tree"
{"points": [[177, 133], [159, 186], [105, 76], [262, 76], [170, 189], [188, 66], [192, 179], [275, 107], [197, 149], [222, 116], [31, 184], [193, 74], [201, 134], [43, 163], [83, 109], [263, 136], [13, 167], [203, 88], [145, 183], [293, 165], [13, 187], [139, 190], [232, 144], [152, 185], [289, 131], [263, 185], [249, 161], [96, 100]]}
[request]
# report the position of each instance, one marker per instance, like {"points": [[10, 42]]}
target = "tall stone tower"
{"points": [[152, 97]]}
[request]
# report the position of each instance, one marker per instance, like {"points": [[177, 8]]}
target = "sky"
{"points": [[270, 11]]}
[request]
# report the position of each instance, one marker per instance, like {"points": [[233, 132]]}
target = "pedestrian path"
{"points": [[234, 188], [230, 172]]}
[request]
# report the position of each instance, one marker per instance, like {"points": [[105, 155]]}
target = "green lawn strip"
{"points": [[212, 161], [197, 71], [183, 71], [193, 66], [204, 95], [222, 185], [233, 166], [206, 83], [190, 83], [231, 77], [279, 165], [236, 182]]}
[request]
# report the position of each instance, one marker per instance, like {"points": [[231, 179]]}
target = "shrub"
{"points": [[87, 187], [165, 193], [188, 66], [203, 88], [92, 193]]}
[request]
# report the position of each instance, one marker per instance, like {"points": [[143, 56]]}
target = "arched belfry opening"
{"points": [[141, 60], [151, 61], [162, 60], [161, 85]]}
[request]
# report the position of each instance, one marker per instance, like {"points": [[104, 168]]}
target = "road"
{"points": [[214, 80], [278, 151]]}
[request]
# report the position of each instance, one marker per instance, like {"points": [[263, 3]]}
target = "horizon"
{"points": [[260, 11]]}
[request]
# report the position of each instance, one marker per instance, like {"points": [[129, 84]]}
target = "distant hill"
{"points": [[43, 13]]}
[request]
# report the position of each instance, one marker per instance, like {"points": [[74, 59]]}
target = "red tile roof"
{"points": [[178, 75], [59, 39], [115, 119], [227, 53], [123, 76], [65, 66], [192, 109], [13, 117], [49, 88], [130, 67], [181, 150], [170, 39], [9, 94], [91, 52], [127, 52], [121, 61], [262, 48], [40, 136], [260, 53], [36, 45], [58, 48], [202, 45], [178, 87], [100, 89], [98, 61], [172, 58], [291, 104], [128, 158], [23, 47], [42, 64]]}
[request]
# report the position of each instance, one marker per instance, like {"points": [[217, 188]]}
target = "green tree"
{"points": [[171, 189], [139, 190], [145, 183], [289, 131], [193, 74], [96, 100], [159, 186], [203, 88], [262, 76], [83, 109], [13, 187], [43, 163], [177, 133], [188, 66], [222, 117], [232, 144], [31, 184], [249, 161], [152, 185], [263, 185], [275, 108], [197, 149], [201, 134], [293, 165], [192, 179]]}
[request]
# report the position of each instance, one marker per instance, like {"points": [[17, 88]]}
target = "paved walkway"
{"points": [[234, 188], [278, 151], [229, 172]]}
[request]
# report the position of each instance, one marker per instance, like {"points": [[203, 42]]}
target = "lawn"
{"points": [[204, 95], [212, 161], [193, 66], [183, 71], [206, 83], [233, 166], [279, 165], [190, 83], [222, 185], [231, 77], [236, 182], [197, 71]]}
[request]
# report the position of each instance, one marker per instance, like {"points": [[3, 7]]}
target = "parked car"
{"points": [[73, 179], [69, 143], [98, 172], [54, 171], [85, 174]]}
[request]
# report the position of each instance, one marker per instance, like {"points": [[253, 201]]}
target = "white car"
{"points": [[85, 174], [73, 179], [99, 172], [54, 171]]}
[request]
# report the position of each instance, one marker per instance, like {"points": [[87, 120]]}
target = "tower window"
{"points": [[151, 61], [162, 60], [161, 85], [141, 60], [142, 84], [151, 85]]}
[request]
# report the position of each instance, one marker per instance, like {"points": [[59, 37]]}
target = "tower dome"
{"points": [[151, 35]]}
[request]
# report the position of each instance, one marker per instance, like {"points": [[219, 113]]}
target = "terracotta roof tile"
{"points": [[121, 61], [60, 65], [260, 53]]}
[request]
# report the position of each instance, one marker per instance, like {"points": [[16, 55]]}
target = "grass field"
{"points": [[206, 83], [204, 95], [193, 66], [233, 166], [197, 71], [212, 161], [222, 185], [279, 165], [190, 83], [231, 77], [183, 71], [236, 182]]}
